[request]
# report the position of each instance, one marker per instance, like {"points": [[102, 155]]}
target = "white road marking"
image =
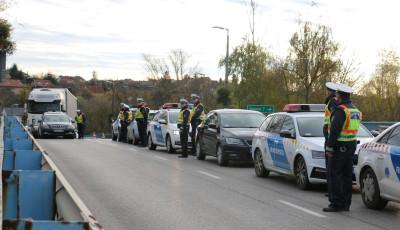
{"points": [[301, 208], [132, 149], [208, 174], [160, 158]]}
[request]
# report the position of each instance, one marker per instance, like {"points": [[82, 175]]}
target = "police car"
{"points": [[163, 131], [378, 169], [292, 143], [133, 131]]}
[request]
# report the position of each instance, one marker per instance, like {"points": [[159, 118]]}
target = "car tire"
{"points": [[150, 143], [170, 149], [370, 192], [221, 158], [259, 164], [199, 149], [135, 140], [301, 174]]}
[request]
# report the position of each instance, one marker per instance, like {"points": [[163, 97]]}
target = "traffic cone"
{"points": [[102, 136], [94, 135]]}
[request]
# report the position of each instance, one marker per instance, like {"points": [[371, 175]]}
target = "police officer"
{"points": [[141, 119], [80, 119], [184, 125], [147, 109], [124, 123], [340, 147], [197, 116], [331, 103]]}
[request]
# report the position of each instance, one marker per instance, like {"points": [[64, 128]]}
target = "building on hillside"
{"points": [[39, 83], [70, 80], [13, 86], [95, 89]]}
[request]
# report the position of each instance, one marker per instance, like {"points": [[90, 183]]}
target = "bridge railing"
{"points": [[35, 195]]}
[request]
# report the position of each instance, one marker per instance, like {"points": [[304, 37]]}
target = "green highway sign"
{"points": [[261, 108]]}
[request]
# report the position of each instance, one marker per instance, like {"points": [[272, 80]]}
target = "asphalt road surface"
{"points": [[127, 187]]}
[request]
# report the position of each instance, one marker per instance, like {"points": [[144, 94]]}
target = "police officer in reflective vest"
{"points": [[147, 109], [125, 120], [342, 143], [196, 116], [121, 111], [331, 103], [141, 120], [184, 125], [80, 119]]}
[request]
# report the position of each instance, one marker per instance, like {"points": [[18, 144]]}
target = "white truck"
{"points": [[43, 100]]}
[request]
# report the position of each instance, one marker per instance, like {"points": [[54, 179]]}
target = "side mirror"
{"points": [[212, 126], [72, 121], [285, 134], [162, 121], [374, 133]]}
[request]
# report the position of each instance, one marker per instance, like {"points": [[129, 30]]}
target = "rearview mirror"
{"points": [[162, 121], [374, 133], [286, 134]]}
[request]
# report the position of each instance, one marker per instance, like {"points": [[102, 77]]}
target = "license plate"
{"points": [[58, 131]]}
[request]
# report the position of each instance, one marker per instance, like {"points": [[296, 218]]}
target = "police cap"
{"points": [[194, 96], [344, 88], [126, 106], [139, 99], [78, 110], [331, 86], [183, 101]]}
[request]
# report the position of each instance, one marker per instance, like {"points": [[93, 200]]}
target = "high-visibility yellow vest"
{"points": [[139, 114], [193, 111], [121, 115], [350, 126], [130, 116], [79, 118], [180, 117], [328, 112]]}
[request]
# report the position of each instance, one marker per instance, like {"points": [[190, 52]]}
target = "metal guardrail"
{"points": [[35, 194]]}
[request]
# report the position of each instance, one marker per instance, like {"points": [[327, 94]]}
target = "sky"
{"points": [[76, 37]]}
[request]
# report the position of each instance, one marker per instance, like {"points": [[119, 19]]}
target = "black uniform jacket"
{"points": [[331, 105]]}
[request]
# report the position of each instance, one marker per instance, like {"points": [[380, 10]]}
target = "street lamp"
{"points": [[227, 53]]}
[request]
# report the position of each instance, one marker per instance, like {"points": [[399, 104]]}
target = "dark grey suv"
{"points": [[56, 124]]}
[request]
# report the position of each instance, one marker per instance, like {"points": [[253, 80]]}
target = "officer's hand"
{"points": [[329, 154], [180, 131]]}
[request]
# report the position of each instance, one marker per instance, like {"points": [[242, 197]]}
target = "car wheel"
{"points": [[170, 149], [150, 143], [370, 191], [259, 165], [300, 172], [221, 158], [135, 140], [199, 149]]}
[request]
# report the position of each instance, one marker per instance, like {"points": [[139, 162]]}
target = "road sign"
{"points": [[261, 108]]}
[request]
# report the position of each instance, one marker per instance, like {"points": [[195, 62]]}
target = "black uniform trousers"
{"points": [[142, 126], [340, 169], [124, 131], [81, 129], [184, 140], [194, 125]]}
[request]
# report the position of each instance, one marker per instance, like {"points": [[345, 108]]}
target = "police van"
{"points": [[378, 169], [163, 131], [292, 143]]}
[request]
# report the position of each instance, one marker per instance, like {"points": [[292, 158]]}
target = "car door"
{"points": [[288, 152], [263, 144], [207, 133], [158, 134], [388, 162], [275, 143]]}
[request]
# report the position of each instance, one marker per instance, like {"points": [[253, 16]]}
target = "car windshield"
{"points": [[151, 115], [312, 127], [173, 117], [56, 118], [41, 107], [241, 120]]}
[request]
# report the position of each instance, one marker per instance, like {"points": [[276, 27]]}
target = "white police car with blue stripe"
{"points": [[378, 169], [292, 143]]}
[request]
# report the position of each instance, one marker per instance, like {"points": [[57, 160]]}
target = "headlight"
{"points": [[176, 132], [46, 126], [70, 127], [318, 154], [233, 141]]}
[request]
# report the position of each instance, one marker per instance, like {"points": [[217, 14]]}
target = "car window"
{"points": [[241, 120], [394, 138], [56, 118], [265, 124], [288, 125], [156, 116], [210, 118], [173, 117], [310, 126], [275, 125], [385, 137], [163, 116]]}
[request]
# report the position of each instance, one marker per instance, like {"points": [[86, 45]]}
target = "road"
{"points": [[127, 187]]}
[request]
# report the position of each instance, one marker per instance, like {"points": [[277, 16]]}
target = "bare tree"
{"points": [[179, 58], [156, 67]]}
